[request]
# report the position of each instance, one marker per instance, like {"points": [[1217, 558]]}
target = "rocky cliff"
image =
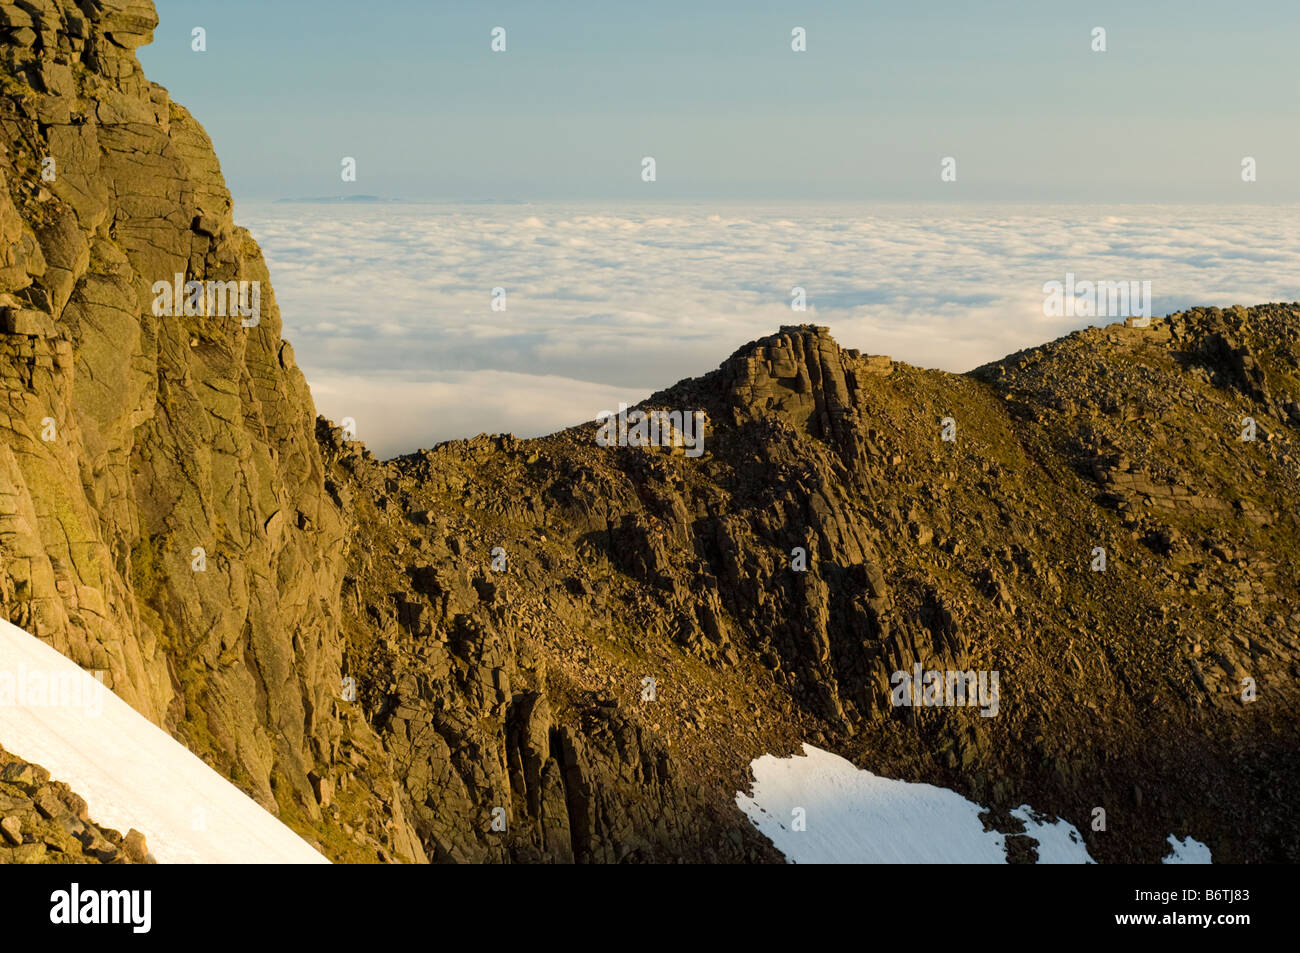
{"points": [[552, 650], [163, 517]]}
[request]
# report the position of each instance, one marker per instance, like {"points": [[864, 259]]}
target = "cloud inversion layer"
{"points": [[389, 306]]}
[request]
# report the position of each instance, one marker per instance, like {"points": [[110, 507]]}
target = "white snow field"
{"points": [[855, 817], [131, 772]]}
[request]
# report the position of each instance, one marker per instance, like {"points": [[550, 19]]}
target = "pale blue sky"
{"points": [[712, 90]]}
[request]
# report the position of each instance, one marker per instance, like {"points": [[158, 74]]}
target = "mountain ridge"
{"points": [[868, 421]]}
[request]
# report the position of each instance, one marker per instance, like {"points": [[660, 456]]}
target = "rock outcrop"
{"points": [[46, 822]]}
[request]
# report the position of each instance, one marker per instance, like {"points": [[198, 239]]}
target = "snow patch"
{"points": [[1188, 851], [1058, 842], [130, 771], [855, 817]]}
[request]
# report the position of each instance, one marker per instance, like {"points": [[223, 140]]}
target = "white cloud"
{"points": [[388, 307], [396, 415]]}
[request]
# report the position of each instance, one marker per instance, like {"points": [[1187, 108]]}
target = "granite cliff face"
{"points": [[162, 509], [550, 650]]}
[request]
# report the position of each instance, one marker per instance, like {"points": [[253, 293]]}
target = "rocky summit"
{"points": [[562, 649]]}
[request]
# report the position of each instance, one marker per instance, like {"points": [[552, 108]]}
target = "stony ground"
{"points": [[45, 822]]}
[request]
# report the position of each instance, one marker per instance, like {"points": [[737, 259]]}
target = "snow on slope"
{"points": [[855, 817], [1189, 851], [1058, 842], [131, 773]]}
